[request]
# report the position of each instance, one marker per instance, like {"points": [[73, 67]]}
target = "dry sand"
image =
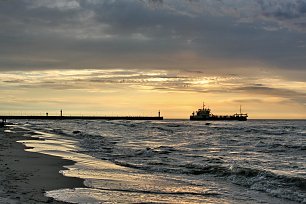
{"points": [[26, 176]]}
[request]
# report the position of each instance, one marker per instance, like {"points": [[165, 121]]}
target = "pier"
{"points": [[4, 118]]}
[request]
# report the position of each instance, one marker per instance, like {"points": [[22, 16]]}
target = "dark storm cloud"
{"points": [[42, 34], [283, 10]]}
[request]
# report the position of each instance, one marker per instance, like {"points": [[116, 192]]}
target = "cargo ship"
{"points": [[205, 114]]}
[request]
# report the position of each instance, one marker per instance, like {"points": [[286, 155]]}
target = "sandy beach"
{"points": [[26, 176]]}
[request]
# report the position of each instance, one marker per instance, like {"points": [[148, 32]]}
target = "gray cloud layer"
{"points": [[205, 35]]}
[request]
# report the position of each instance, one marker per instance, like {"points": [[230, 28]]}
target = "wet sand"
{"points": [[26, 176]]}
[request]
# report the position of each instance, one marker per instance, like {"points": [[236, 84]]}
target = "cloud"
{"points": [[292, 95], [55, 4], [212, 36], [284, 9], [287, 14], [106, 81]]}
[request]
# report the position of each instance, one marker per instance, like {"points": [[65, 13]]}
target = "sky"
{"points": [[136, 57]]}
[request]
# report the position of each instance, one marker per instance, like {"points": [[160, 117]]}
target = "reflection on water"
{"points": [[109, 182], [176, 161]]}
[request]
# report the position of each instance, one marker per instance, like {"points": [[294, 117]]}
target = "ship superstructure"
{"points": [[205, 114]]}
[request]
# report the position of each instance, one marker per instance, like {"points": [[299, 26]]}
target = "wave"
{"points": [[129, 144], [278, 147], [281, 186], [149, 159]]}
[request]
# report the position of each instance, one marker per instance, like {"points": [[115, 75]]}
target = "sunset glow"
{"points": [[135, 92], [138, 57]]}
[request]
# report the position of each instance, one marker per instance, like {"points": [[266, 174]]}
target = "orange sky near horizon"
{"points": [[133, 92]]}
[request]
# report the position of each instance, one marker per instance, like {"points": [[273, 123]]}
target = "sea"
{"points": [[177, 161]]}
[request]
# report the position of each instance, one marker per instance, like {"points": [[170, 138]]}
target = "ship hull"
{"points": [[196, 118]]}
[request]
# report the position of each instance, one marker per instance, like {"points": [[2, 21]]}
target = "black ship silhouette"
{"points": [[205, 114]]}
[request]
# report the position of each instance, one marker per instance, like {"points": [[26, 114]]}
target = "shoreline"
{"points": [[26, 176]]}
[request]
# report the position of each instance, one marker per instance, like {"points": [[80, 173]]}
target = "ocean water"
{"points": [[178, 161]]}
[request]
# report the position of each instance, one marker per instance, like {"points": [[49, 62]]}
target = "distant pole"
{"points": [[159, 113], [61, 113], [203, 105], [240, 109]]}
